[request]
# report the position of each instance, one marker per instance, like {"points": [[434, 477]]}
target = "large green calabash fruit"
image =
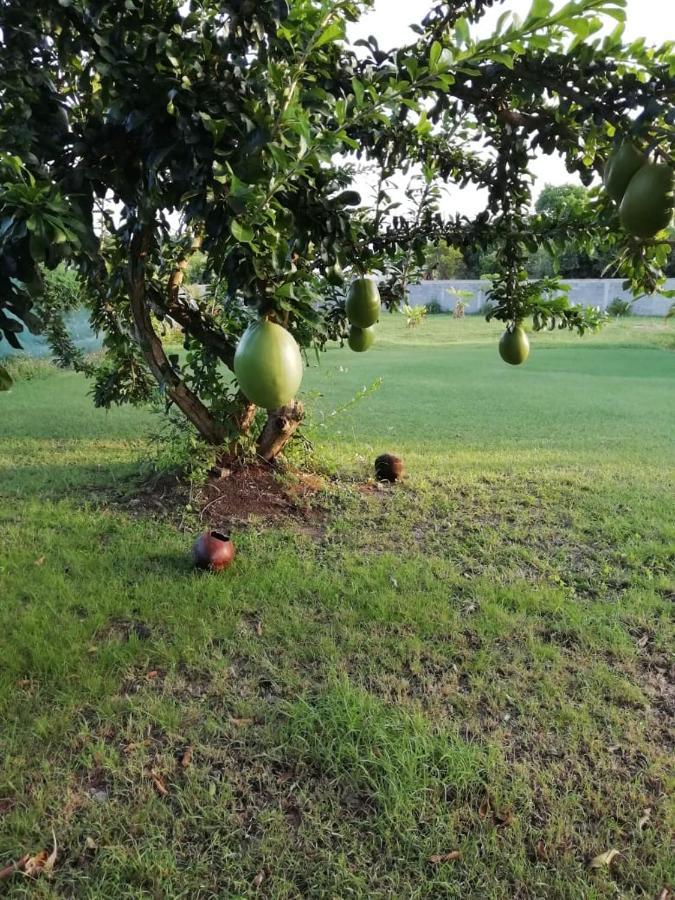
{"points": [[363, 303], [514, 346], [647, 205], [361, 339], [268, 365], [622, 165]]}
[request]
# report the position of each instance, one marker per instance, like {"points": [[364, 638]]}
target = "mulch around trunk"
{"points": [[261, 494]]}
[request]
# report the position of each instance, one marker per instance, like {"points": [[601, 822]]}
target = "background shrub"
{"points": [[620, 308]]}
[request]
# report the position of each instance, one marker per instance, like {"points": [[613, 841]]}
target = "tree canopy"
{"points": [[136, 134]]}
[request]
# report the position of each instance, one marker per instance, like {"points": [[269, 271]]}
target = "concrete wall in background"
{"points": [[588, 292], [584, 291]]}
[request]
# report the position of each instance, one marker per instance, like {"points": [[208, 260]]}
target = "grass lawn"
{"points": [[479, 660]]}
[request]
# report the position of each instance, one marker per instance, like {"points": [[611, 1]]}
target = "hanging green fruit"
{"points": [[647, 205], [514, 346], [622, 165], [363, 303], [268, 365], [361, 339], [334, 274]]}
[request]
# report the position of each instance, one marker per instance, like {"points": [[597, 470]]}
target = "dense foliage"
{"points": [[137, 134]]}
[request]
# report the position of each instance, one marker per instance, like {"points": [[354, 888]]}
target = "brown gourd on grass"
{"points": [[213, 551], [388, 467]]}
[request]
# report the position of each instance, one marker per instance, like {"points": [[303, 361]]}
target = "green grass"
{"points": [[477, 660]]}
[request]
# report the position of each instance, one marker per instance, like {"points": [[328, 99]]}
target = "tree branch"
{"points": [[152, 348]]}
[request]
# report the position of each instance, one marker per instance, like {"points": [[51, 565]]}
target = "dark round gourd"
{"points": [[388, 467], [213, 550]]}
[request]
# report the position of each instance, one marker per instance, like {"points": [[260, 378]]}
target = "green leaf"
{"points": [[505, 58], [240, 232], [358, 89], [462, 33], [540, 9], [423, 127], [5, 380], [286, 291], [434, 55], [333, 33]]}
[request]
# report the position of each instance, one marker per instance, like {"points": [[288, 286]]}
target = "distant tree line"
{"points": [[560, 201]]}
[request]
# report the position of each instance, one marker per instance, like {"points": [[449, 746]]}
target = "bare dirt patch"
{"points": [[259, 493]]}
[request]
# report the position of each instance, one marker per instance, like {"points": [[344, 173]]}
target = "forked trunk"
{"points": [[280, 427], [281, 423]]}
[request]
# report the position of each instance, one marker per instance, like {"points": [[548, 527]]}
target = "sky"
{"points": [[390, 19]]}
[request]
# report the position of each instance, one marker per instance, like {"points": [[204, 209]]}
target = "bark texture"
{"points": [[280, 427], [281, 423], [151, 346]]}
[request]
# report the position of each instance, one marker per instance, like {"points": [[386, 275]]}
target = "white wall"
{"points": [[584, 291]]}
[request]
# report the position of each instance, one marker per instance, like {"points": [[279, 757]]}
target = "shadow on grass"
{"points": [[88, 482]]}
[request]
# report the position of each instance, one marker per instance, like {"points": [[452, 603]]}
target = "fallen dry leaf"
{"points": [[444, 857], [159, 783], [500, 817], [186, 758], [643, 821], [90, 843], [240, 723], [42, 863], [258, 628], [24, 682], [603, 859], [258, 880], [644, 640], [39, 561]]}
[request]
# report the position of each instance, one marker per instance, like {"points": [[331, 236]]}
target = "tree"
{"points": [[444, 262], [241, 122], [568, 203]]}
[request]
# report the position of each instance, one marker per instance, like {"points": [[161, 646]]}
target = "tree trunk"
{"points": [[280, 427], [281, 423], [187, 401], [245, 420]]}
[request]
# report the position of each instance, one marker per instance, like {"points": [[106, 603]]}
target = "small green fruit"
{"points": [[363, 303], [361, 339], [514, 346], [334, 274], [647, 205], [622, 165], [268, 365]]}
